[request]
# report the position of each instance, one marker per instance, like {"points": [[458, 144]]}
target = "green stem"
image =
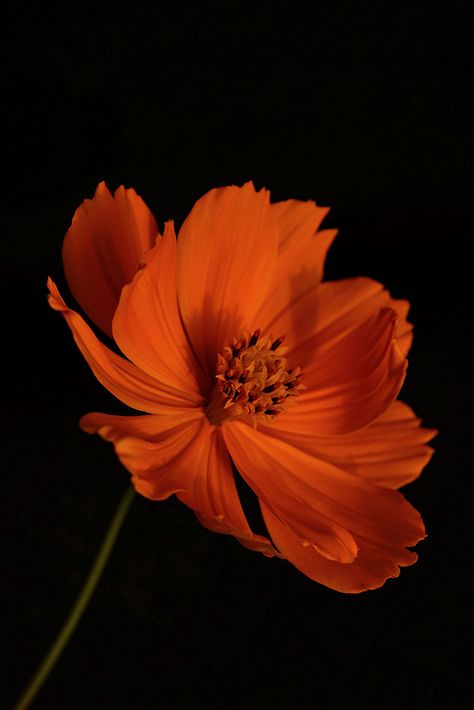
{"points": [[82, 601]]}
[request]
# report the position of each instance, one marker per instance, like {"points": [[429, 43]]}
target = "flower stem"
{"points": [[80, 605]]}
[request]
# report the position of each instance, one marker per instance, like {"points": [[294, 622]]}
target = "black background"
{"points": [[363, 107]]}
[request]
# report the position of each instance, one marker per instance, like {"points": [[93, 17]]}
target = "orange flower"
{"points": [[236, 351]]}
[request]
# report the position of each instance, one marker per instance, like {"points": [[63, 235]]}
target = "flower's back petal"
{"points": [[103, 247], [150, 447], [324, 314], [391, 452], [291, 484], [342, 304], [226, 253], [351, 380], [122, 378], [300, 259], [147, 326]]}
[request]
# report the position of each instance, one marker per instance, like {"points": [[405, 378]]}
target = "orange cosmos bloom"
{"points": [[235, 351]]}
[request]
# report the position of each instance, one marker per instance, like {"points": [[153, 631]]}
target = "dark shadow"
{"points": [[250, 504]]}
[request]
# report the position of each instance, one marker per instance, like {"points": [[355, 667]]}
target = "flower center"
{"points": [[253, 379]]}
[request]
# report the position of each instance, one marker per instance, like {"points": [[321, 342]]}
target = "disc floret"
{"points": [[253, 379]]}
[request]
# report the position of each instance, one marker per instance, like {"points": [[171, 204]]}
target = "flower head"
{"points": [[234, 350]]}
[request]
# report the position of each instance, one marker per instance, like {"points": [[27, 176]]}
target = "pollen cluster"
{"points": [[253, 378]]}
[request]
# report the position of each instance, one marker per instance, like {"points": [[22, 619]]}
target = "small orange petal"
{"points": [[150, 446], [103, 247], [148, 427], [121, 377], [226, 254], [147, 326]]}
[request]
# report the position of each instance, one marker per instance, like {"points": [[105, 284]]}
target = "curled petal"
{"points": [[121, 377], [350, 381], [103, 247], [147, 326], [372, 567], [344, 303], [294, 487], [226, 254], [322, 315]]}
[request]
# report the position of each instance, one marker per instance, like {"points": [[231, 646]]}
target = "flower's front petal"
{"points": [[312, 525], [391, 452], [371, 568], [212, 494], [300, 259], [287, 480], [103, 247], [122, 378], [147, 326], [151, 447], [350, 381], [226, 254], [180, 453]]}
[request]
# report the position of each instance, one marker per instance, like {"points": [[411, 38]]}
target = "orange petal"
{"points": [[288, 480], [300, 260], [103, 247], [342, 304], [325, 313], [226, 254], [151, 447], [180, 453], [312, 525], [212, 493], [350, 381], [372, 567], [126, 381], [147, 326], [391, 452]]}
